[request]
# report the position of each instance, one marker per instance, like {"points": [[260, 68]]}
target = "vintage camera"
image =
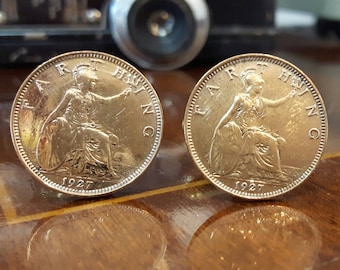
{"points": [[154, 34]]}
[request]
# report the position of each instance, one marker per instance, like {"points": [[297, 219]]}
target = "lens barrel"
{"points": [[159, 35]]}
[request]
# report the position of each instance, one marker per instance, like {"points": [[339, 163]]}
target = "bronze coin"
{"points": [[255, 125], [86, 123]]}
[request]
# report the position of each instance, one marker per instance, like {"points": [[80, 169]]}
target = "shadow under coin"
{"points": [[263, 237], [109, 237]]}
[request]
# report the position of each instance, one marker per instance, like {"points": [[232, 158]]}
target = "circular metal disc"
{"points": [[255, 126], [86, 123]]}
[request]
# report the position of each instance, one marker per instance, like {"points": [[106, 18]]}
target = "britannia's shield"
{"points": [[54, 143]]}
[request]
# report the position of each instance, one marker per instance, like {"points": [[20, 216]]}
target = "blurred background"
{"points": [[158, 35]]}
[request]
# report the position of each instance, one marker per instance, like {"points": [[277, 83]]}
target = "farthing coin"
{"points": [[86, 123], [255, 126]]}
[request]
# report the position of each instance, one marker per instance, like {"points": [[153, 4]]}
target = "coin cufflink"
{"points": [[78, 120], [86, 123], [255, 125]]}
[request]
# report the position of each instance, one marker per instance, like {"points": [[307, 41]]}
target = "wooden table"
{"points": [[171, 217]]}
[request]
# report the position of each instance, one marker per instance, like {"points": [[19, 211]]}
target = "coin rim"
{"points": [[14, 122], [235, 60]]}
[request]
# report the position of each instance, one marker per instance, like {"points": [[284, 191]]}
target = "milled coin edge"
{"points": [[245, 58], [15, 136]]}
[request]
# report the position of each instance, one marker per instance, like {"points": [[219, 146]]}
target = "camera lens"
{"points": [[158, 34], [161, 23]]}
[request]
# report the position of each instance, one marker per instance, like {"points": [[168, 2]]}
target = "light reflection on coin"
{"points": [[86, 123], [255, 126]]}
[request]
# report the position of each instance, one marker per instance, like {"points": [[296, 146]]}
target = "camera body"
{"points": [[153, 34]]}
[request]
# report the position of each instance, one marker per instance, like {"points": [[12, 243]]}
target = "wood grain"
{"points": [[172, 218]]}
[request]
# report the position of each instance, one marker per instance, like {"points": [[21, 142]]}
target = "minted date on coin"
{"points": [[255, 125], [86, 123]]}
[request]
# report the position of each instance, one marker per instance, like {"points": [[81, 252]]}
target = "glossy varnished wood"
{"points": [[172, 218]]}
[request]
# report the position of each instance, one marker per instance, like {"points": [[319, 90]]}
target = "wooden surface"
{"points": [[171, 217]]}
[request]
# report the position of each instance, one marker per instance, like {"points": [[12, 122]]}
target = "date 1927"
{"points": [[77, 183], [248, 186]]}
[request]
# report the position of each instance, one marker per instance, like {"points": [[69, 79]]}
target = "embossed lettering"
{"points": [[78, 183], [312, 110], [94, 63], [147, 108], [132, 79], [62, 69], [262, 66], [250, 187], [138, 90], [25, 105], [119, 73], [284, 75], [198, 110], [314, 133], [40, 84], [297, 82], [231, 72], [303, 92], [212, 88], [126, 77], [148, 131]]}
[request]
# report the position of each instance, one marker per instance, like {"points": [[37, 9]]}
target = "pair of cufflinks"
{"points": [[88, 123]]}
